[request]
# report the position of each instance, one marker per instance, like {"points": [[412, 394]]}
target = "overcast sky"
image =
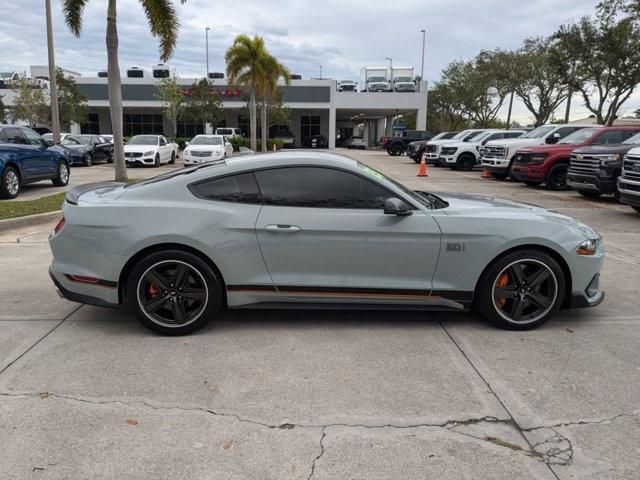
{"points": [[304, 34]]}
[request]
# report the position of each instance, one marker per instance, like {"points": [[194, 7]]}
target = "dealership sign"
{"points": [[223, 92]]}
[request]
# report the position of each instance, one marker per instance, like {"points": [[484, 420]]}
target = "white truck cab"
{"points": [[497, 155], [465, 154], [433, 147]]}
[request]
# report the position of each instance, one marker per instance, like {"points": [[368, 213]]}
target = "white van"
{"points": [[229, 132]]}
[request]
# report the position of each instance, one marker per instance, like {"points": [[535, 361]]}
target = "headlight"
{"points": [[588, 247], [610, 159], [540, 158], [149, 153]]}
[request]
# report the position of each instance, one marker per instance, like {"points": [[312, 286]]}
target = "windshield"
{"points": [[350, 82], [224, 131], [578, 137], [441, 136], [76, 140], [461, 134], [472, 135], [633, 140], [538, 132], [403, 79], [377, 79], [143, 140], [202, 140]]}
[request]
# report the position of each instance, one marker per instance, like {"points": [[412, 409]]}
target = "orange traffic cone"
{"points": [[486, 174], [422, 169]]}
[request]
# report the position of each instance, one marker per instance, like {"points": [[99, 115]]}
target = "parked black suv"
{"points": [[398, 145], [594, 170], [416, 149]]}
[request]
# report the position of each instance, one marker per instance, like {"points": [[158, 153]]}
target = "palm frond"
{"points": [[72, 10], [163, 23]]}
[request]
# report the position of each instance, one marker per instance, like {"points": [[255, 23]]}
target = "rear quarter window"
{"points": [[241, 188]]}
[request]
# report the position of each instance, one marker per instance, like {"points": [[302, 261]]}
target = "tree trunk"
{"points": [[263, 121], [115, 92], [253, 130]]}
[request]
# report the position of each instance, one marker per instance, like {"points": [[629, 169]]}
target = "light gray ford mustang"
{"points": [[315, 230]]}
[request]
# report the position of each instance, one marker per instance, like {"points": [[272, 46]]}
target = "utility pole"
{"points": [[566, 113], [320, 72], [53, 91], [424, 34], [509, 112], [206, 35], [390, 73]]}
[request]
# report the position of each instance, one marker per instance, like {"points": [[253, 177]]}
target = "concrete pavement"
{"points": [[87, 392]]}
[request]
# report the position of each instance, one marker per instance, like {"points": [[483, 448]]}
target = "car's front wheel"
{"points": [[88, 160], [174, 292], [521, 290], [557, 178], [10, 183], [62, 175], [156, 162], [173, 158], [466, 162]]}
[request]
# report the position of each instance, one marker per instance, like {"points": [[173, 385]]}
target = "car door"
{"points": [[41, 162], [164, 149], [98, 150], [324, 236], [20, 151], [228, 148]]}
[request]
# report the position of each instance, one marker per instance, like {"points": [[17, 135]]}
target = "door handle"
{"points": [[282, 228]]}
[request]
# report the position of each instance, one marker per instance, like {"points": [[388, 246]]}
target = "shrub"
{"points": [[238, 142]]}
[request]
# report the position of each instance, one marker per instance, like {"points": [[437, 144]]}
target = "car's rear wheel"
{"points": [[466, 162], [521, 290], [637, 209], [557, 178], [589, 193], [88, 160], [396, 150], [62, 175], [10, 185], [174, 292]]}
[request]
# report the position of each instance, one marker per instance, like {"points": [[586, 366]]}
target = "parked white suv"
{"points": [[497, 155], [229, 132], [465, 154], [149, 150], [207, 148], [433, 147]]}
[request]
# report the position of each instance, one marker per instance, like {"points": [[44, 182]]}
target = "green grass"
{"points": [[22, 208]]}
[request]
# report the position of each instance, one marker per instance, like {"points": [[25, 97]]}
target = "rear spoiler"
{"points": [[73, 194]]}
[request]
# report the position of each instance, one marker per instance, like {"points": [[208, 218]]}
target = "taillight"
{"points": [[59, 226]]}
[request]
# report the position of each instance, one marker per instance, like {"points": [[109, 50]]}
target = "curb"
{"points": [[29, 220]]}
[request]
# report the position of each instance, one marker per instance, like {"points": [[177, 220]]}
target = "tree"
{"points": [[245, 60], [478, 87], [605, 54], [268, 91], [202, 104], [30, 103], [173, 98], [72, 104], [537, 80], [444, 112], [163, 23], [3, 111]]}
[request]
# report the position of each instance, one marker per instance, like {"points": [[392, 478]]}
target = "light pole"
{"points": [[424, 34], [206, 34], [390, 73], [320, 71], [53, 91]]}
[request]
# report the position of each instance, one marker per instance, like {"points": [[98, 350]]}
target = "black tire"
{"points": [[156, 162], [88, 160], [636, 208], [62, 175], [557, 178], [533, 184], [589, 193], [523, 296], [173, 158], [10, 184], [466, 162], [500, 175], [163, 265], [396, 150]]}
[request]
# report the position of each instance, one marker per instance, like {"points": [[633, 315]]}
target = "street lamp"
{"points": [[53, 91], [424, 34], [390, 73], [320, 71], [206, 34]]}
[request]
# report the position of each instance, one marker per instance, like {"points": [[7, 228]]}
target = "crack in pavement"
{"points": [[313, 464]]}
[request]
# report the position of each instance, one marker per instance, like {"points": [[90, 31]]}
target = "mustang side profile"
{"points": [[315, 230]]}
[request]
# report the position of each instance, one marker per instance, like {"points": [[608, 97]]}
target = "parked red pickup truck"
{"points": [[548, 164]]}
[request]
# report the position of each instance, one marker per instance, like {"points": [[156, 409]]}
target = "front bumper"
{"points": [[432, 158], [629, 191], [528, 173], [140, 160], [592, 183], [495, 165], [200, 160]]}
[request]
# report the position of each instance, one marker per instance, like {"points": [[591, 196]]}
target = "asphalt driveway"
{"points": [[86, 392]]}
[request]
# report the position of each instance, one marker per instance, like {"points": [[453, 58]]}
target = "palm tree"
{"points": [[245, 66], [272, 71], [163, 22]]}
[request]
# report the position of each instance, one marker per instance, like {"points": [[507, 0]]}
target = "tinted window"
{"points": [[14, 136], [32, 137], [236, 188], [319, 187], [563, 132], [512, 134], [611, 138]]}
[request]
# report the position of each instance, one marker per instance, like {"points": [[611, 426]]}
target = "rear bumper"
{"points": [[81, 296], [591, 183]]}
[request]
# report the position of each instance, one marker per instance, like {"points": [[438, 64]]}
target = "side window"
{"points": [[163, 142], [563, 132], [512, 134], [14, 136], [32, 137], [495, 136], [3, 137], [320, 188], [610, 138], [240, 188]]}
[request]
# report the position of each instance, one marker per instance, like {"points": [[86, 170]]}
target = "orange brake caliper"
{"points": [[153, 290], [503, 281]]}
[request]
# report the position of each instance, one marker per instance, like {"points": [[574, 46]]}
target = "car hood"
{"points": [[441, 142], [604, 149], [139, 148], [515, 142], [549, 149], [464, 204], [461, 144], [203, 148]]}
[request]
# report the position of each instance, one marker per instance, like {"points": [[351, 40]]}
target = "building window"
{"points": [[309, 127], [137, 124], [92, 125], [189, 130], [243, 124]]}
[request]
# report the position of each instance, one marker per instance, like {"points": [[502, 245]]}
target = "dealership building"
{"points": [[316, 107]]}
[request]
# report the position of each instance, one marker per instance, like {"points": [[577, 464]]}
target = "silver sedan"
{"points": [[301, 230]]}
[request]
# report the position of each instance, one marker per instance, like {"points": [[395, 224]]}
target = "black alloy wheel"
{"points": [[466, 162], [557, 178], [156, 162], [174, 292], [173, 158]]}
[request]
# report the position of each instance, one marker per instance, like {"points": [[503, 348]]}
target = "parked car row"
{"points": [[593, 160]]}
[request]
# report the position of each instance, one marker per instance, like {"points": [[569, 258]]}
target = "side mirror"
{"points": [[553, 138], [186, 144], [395, 206]]}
